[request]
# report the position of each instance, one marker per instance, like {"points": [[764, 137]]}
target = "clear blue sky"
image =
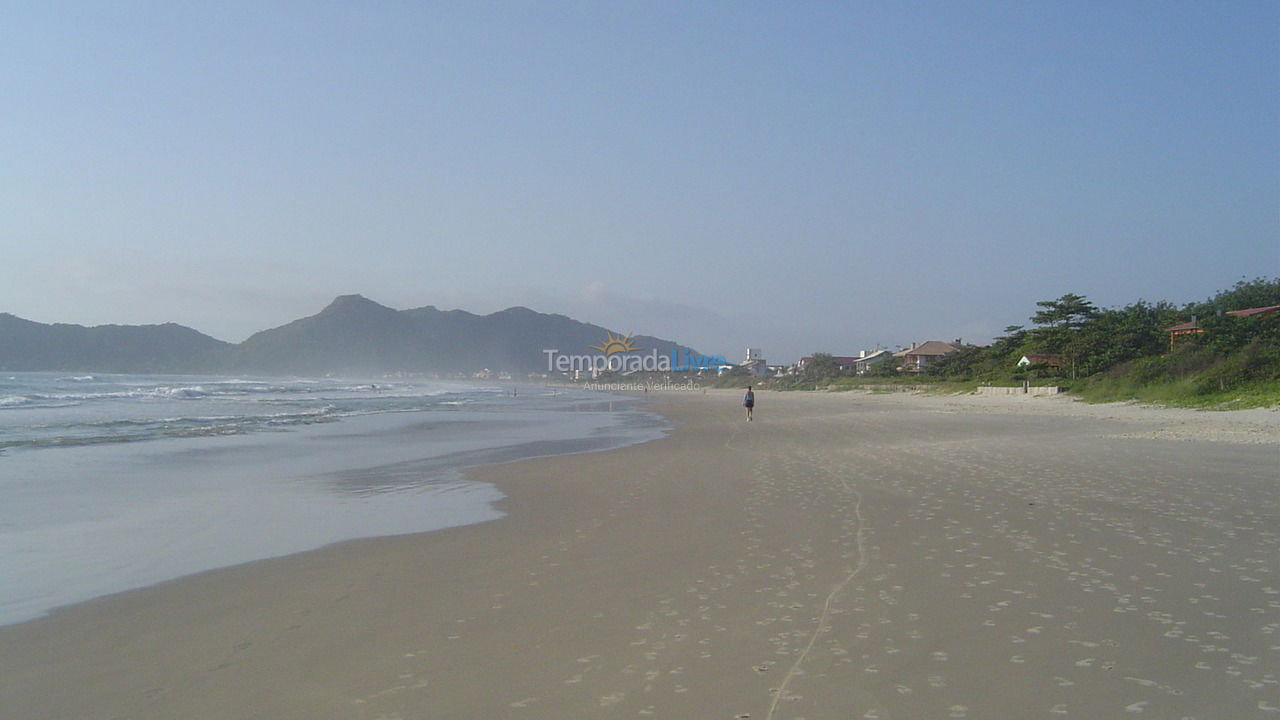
{"points": [[793, 176]]}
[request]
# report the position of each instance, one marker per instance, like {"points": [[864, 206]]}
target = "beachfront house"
{"points": [[867, 358], [1048, 359], [917, 357], [1185, 330]]}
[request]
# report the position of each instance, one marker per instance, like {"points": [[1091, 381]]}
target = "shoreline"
{"points": [[807, 562], [86, 520]]}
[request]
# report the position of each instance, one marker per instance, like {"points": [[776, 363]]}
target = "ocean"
{"points": [[114, 482]]}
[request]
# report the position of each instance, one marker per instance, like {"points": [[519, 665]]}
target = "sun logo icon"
{"points": [[614, 344]]}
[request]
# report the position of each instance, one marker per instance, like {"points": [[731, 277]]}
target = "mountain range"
{"points": [[353, 335]]}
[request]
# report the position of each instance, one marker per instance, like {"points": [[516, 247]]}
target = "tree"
{"points": [[1069, 312], [1061, 321], [1117, 336], [1224, 334], [1259, 292], [821, 365], [1013, 335], [956, 365], [885, 367]]}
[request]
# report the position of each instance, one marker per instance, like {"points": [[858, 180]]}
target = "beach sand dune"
{"points": [[843, 556]]}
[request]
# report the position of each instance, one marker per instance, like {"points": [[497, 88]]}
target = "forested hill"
{"points": [[352, 335]]}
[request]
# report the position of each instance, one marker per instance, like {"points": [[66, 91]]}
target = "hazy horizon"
{"points": [[723, 175]]}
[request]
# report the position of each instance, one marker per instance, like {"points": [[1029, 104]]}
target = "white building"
{"points": [[755, 363]]}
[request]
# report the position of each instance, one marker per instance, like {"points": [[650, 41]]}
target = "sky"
{"points": [[798, 177]]}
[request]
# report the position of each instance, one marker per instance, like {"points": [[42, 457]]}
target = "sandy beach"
{"points": [[843, 556]]}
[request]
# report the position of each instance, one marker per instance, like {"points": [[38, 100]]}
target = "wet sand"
{"points": [[842, 556]]}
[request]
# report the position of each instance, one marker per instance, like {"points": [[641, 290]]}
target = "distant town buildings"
{"points": [[912, 359], [755, 365]]}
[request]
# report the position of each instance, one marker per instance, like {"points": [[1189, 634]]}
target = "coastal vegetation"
{"points": [[1220, 360]]}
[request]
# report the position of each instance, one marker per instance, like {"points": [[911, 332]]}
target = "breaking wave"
{"points": [[43, 411]]}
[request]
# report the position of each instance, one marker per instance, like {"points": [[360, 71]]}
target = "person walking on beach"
{"points": [[749, 402]]}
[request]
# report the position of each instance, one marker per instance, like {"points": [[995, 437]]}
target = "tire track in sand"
{"points": [[822, 626]]}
